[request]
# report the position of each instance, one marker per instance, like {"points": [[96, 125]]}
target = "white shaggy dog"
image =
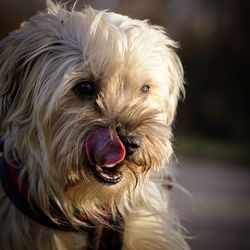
{"points": [[87, 100]]}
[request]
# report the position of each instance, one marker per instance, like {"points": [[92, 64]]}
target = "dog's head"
{"points": [[87, 102]]}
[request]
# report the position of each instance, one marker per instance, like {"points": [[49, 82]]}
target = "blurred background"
{"points": [[211, 142]]}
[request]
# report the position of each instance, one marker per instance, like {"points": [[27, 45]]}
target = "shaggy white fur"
{"points": [[63, 75]]}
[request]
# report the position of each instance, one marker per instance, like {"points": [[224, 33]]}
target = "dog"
{"points": [[87, 102]]}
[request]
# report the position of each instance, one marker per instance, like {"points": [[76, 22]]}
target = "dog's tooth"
{"points": [[113, 177], [110, 165]]}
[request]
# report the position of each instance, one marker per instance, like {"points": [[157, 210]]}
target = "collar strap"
{"points": [[105, 238], [100, 237], [17, 193]]}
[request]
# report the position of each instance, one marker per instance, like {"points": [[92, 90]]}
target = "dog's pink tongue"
{"points": [[104, 148]]}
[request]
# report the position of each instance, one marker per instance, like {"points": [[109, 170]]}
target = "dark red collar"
{"points": [[100, 237], [17, 193]]}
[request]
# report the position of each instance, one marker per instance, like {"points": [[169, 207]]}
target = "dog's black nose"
{"points": [[130, 140]]}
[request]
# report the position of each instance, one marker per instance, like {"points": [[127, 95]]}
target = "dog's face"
{"points": [[87, 101]]}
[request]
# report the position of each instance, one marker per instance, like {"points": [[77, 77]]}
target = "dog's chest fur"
{"points": [[139, 233]]}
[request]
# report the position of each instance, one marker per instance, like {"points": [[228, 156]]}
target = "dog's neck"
{"points": [[17, 192]]}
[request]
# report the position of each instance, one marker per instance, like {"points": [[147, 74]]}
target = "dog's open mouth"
{"points": [[106, 175], [105, 151]]}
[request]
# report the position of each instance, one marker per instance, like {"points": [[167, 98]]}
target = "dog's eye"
{"points": [[145, 88], [85, 89]]}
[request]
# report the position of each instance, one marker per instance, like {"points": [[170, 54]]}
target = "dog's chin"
{"points": [[108, 175]]}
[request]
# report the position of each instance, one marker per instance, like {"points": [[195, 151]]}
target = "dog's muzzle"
{"points": [[106, 149]]}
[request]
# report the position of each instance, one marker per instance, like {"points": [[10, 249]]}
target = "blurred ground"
{"points": [[217, 214]]}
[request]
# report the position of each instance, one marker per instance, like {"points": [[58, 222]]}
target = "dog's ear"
{"points": [[9, 71], [20, 53], [175, 82]]}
